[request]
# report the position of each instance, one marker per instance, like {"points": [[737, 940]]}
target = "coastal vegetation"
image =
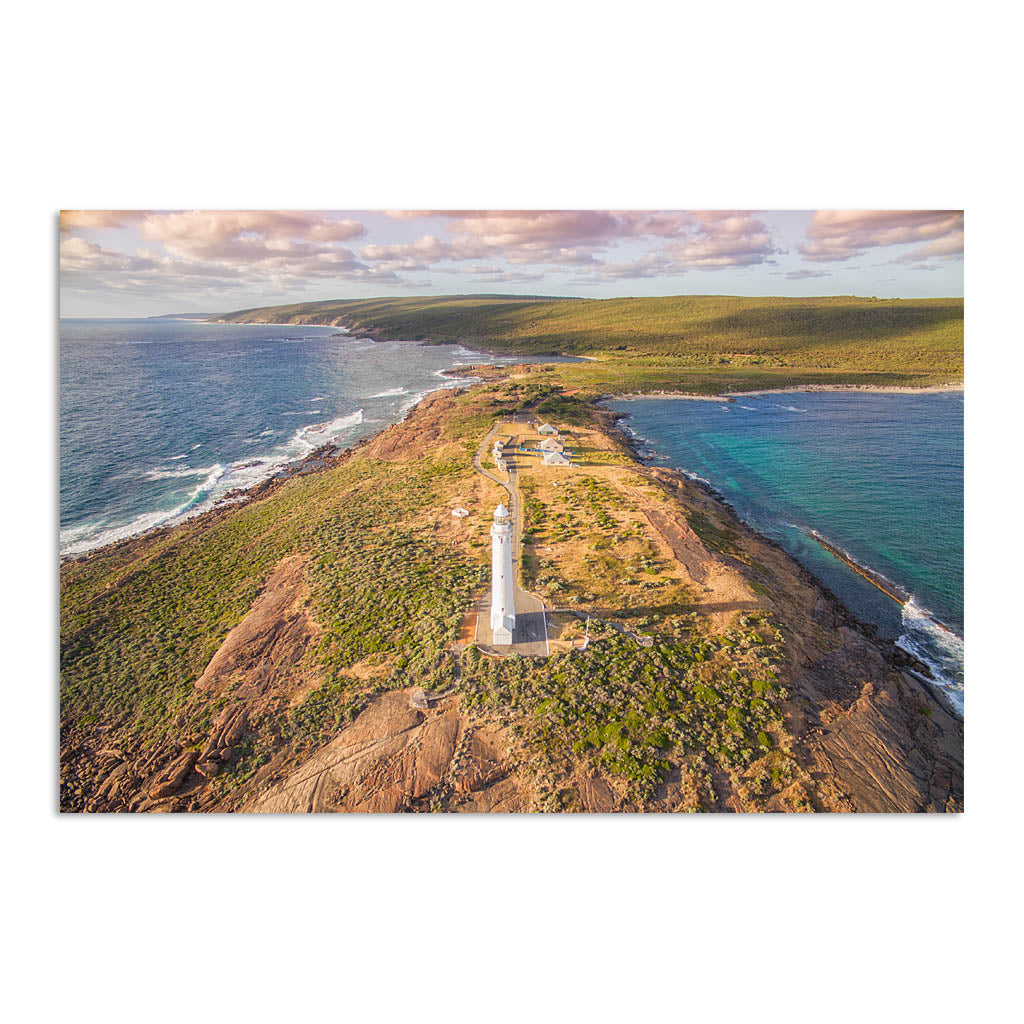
{"points": [[699, 343], [640, 713], [140, 621], [290, 619]]}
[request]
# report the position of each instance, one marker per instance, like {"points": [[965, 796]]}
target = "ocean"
{"points": [[878, 477], [160, 418]]}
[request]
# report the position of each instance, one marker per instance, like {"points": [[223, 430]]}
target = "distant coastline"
{"points": [[725, 396]]}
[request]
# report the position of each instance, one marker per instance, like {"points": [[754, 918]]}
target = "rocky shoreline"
{"points": [[328, 456], [861, 717], [895, 655]]}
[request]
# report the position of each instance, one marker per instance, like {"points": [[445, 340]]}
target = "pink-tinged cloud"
{"points": [[247, 234], [70, 219], [501, 229], [723, 238], [950, 247], [79, 254], [555, 228], [511, 277], [277, 263], [428, 249], [841, 234], [803, 274], [706, 240]]}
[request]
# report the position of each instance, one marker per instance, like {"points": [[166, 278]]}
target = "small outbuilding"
{"points": [[460, 513]]}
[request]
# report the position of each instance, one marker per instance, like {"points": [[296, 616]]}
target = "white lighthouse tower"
{"points": [[503, 609]]}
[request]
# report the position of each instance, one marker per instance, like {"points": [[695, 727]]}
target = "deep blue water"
{"points": [[161, 418], [880, 476]]}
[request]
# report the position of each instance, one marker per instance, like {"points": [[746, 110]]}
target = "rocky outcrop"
{"points": [[271, 638], [228, 729], [686, 546], [170, 780], [411, 438], [397, 758]]}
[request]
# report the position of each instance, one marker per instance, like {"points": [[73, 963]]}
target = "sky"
{"points": [[129, 263]]}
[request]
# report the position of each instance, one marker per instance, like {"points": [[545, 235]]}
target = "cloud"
{"points": [[723, 239], [652, 265], [199, 251], [247, 234], [70, 219], [950, 247], [511, 277], [803, 274], [86, 266], [840, 234], [428, 249], [707, 240]]}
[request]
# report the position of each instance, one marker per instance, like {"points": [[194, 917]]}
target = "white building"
{"points": [[546, 428], [460, 513], [551, 444], [503, 609], [555, 459]]}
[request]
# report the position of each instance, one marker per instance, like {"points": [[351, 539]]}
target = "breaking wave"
{"points": [[938, 647], [390, 393], [172, 474], [320, 433], [98, 533], [219, 480]]}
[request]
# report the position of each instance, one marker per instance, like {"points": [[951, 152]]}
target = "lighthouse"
{"points": [[503, 609]]}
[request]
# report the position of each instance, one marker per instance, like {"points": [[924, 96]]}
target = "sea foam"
{"points": [[320, 433], [98, 533], [938, 647]]}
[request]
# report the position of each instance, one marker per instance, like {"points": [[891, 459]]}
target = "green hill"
{"points": [[914, 341]]}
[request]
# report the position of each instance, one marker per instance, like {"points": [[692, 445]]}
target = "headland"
{"points": [[274, 655]]}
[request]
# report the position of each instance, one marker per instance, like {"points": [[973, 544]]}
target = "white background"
{"points": [[232, 105]]}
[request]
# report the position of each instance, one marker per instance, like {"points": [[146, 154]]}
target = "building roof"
{"points": [[501, 511]]}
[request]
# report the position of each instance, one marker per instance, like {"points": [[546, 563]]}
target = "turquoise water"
{"points": [[879, 476], [160, 419]]}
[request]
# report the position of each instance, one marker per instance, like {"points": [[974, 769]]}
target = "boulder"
{"points": [[170, 779]]}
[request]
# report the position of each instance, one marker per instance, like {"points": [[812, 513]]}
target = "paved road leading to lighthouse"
{"points": [[531, 633]]}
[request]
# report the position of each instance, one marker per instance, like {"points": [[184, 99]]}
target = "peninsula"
{"points": [[314, 646]]}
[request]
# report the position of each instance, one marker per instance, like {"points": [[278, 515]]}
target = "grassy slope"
{"points": [[706, 341], [140, 621]]}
